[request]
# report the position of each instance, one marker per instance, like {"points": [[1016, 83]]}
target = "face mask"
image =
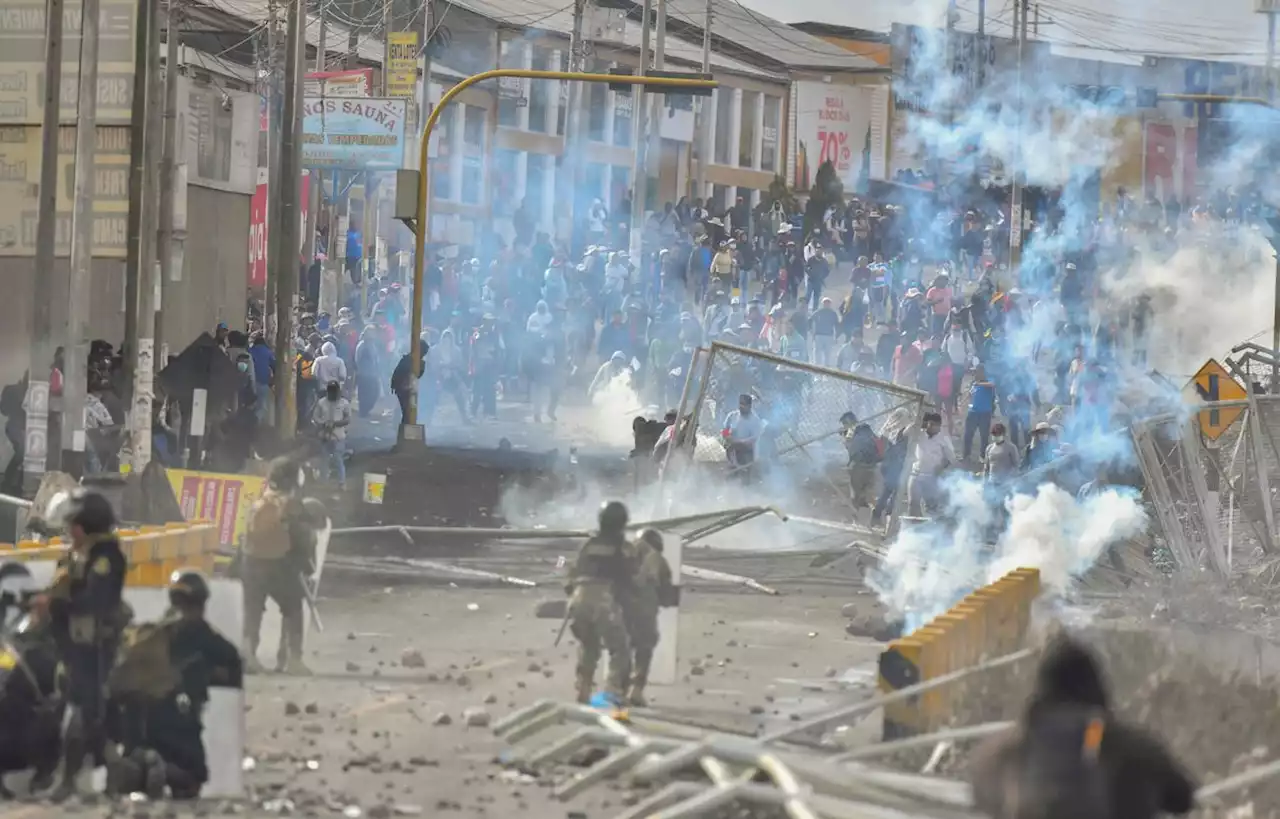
{"points": [[333, 394], [242, 367], [999, 439]]}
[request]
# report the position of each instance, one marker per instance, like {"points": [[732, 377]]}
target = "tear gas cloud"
{"points": [[1209, 285]]}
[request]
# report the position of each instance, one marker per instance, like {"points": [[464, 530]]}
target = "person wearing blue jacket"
{"points": [[982, 399]]}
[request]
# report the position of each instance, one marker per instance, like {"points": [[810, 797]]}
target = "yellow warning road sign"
{"points": [[1214, 383]]}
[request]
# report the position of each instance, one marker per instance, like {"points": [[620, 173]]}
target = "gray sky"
{"points": [[1213, 29]]}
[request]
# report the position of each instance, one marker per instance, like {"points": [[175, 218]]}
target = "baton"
{"points": [[563, 625], [311, 602]]}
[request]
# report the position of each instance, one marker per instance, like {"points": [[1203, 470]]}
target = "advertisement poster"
{"points": [[258, 229], [358, 82], [833, 122], [402, 70], [224, 500], [353, 134]]}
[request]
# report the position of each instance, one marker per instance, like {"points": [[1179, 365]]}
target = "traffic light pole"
{"points": [[410, 430]]}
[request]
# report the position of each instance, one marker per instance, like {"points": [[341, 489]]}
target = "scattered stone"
{"points": [[476, 718], [731, 644], [756, 709], [352, 668], [351, 635], [412, 658], [378, 812], [491, 699], [551, 609], [291, 709], [311, 708], [463, 680], [442, 719], [520, 684], [548, 673], [830, 672], [697, 671], [534, 668]]}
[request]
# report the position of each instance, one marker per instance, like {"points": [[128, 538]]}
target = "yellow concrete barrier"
{"points": [[991, 621], [153, 552]]}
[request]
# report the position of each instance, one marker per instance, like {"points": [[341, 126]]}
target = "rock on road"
{"points": [[382, 726]]}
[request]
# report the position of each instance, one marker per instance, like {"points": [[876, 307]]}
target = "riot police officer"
{"points": [[277, 561], [651, 588], [600, 574], [162, 736], [87, 616]]}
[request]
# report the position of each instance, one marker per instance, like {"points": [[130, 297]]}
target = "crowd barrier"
{"points": [[153, 552], [990, 622]]}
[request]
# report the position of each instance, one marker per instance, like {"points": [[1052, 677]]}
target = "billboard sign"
{"points": [[402, 66], [358, 82], [353, 134], [22, 35], [258, 226], [20, 186], [833, 122]]}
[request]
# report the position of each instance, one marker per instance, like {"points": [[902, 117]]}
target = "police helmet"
{"points": [[80, 507], [652, 537], [613, 516], [187, 587]]}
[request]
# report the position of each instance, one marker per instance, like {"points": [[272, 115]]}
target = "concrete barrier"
{"points": [[154, 553], [992, 621]]}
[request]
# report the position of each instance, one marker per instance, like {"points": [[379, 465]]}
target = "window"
{"points": [[441, 169], [593, 182], [623, 111], [619, 187], [511, 90], [724, 125], [473, 129], [542, 92], [472, 180], [769, 134], [747, 134], [597, 103], [505, 170], [535, 181], [562, 89], [473, 149]]}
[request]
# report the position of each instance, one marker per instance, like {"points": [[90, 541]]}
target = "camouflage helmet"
{"points": [[187, 587], [613, 516]]}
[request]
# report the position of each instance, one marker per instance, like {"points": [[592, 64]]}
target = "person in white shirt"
{"points": [[329, 366], [332, 416], [741, 433], [934, 455]]}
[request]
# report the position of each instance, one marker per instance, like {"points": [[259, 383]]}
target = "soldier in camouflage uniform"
{"points": [[600, 574], [277, 557], [651, 590]]}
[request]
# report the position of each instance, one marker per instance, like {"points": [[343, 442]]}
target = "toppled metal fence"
{"points": [[801, 405]]}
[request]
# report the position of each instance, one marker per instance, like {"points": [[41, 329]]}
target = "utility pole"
{"points": [[639, 109], [315, 188], [77, 344], [1021, 8], [273, 155], [982, 45], [145, 345], [701, 121], [37, 453], [1268, 7], [573, 122], [141, 205], [285, 265]]}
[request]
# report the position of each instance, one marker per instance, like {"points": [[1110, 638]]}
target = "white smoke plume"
{"points": [[927, 569]]}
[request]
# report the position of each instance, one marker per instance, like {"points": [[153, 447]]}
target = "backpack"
{"points": [[144, 667], [11, 401], [268, 535]]}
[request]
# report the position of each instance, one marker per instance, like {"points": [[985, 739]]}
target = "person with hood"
{"points": [[329, 367], [448, 364], [609, 370], [1070, 757], [368, 384], [264, 373]]}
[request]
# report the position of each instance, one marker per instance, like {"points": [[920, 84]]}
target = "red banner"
{"points": [[258, 230]]}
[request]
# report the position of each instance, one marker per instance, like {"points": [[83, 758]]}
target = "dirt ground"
{"points": [[366, 732]]}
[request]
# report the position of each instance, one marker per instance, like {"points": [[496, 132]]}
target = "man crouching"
{"points": [[1070, 757]]}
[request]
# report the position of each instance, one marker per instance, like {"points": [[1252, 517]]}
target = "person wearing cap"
{"points": [[722, 265], [87, 615], [1042, 449], [740, 434], [1001, 461], [934, 455]]}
